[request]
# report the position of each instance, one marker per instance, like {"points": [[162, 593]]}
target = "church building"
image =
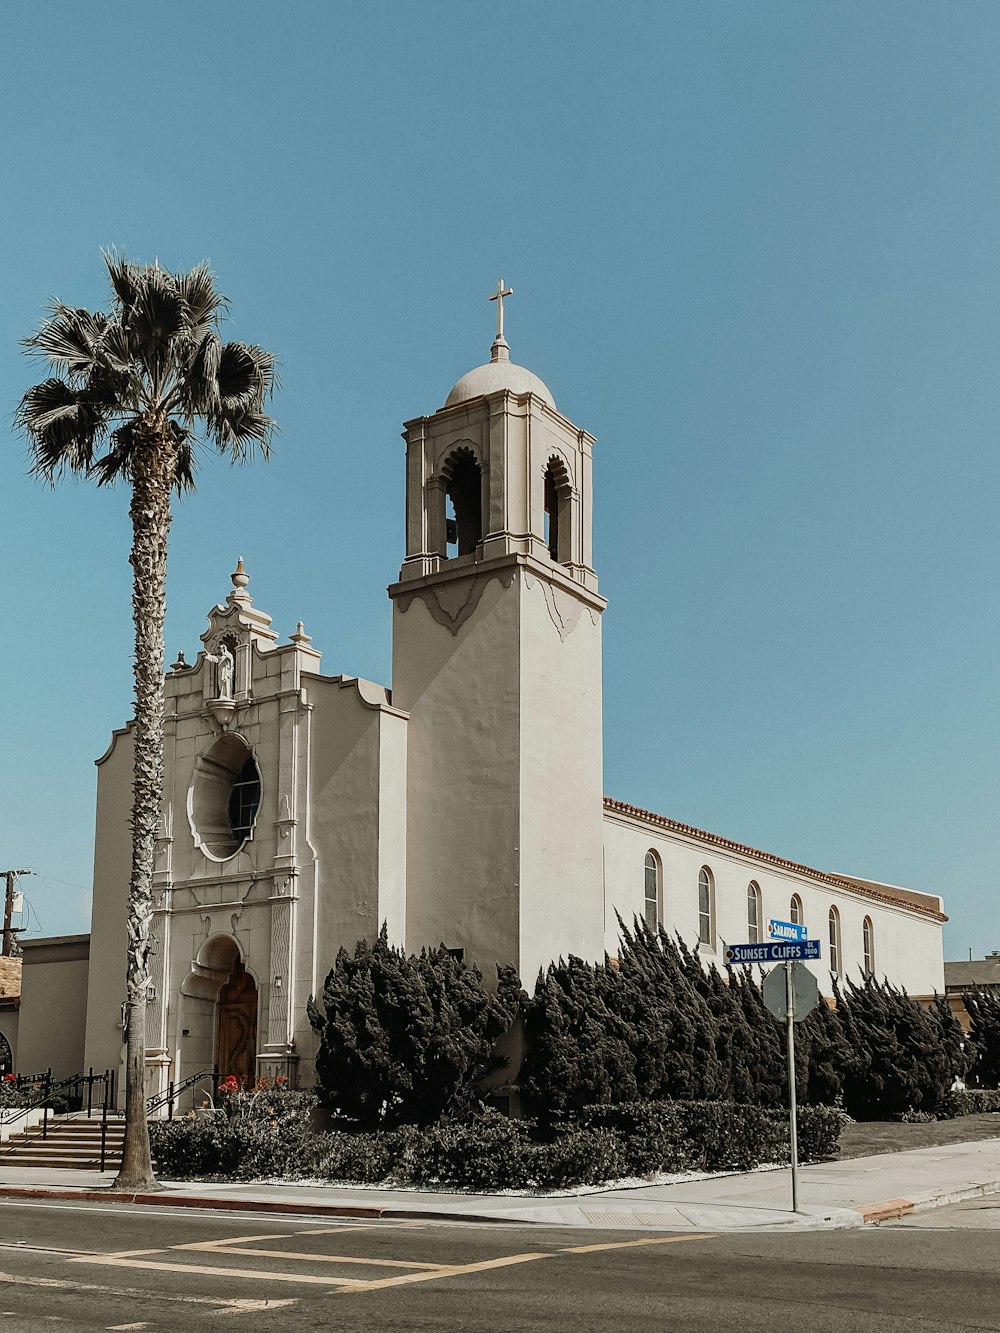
{"points": [[464, 804]]}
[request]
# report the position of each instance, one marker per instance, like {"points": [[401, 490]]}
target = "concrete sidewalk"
{"points": [[831, 1195]]}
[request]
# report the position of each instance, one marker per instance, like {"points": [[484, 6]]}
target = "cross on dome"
{"points": [[498, 296], [500, 350]]}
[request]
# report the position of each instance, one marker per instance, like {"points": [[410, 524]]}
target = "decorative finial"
{"points": [[500, 350], [300, 636], [239, 576], [180, 664]]}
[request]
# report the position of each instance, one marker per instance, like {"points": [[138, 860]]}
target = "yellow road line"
{"points": [[223, 1304], [455, 1270], [213, 1247], [241, 1273], [627, 1244]]}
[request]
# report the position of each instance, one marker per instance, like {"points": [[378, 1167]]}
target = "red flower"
{"points": [[10, 1078], [281, 1079]]}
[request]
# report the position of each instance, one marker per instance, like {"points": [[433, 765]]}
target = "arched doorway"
{"points": [[236, 1039]]}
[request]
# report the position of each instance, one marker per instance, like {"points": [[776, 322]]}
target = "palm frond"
{"points": [[204, 303], [69, 338], [197, 393], [185, 465], [157, 317], [125, 279], [62, 426], [242, 432]]}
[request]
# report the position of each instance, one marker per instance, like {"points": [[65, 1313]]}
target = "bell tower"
{"points": [[497, 661]]}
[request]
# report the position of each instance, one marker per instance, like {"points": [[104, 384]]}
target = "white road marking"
{"points": [[121, 1328]]}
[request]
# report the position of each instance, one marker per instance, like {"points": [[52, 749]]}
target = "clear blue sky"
{"points": [[754, 248]]}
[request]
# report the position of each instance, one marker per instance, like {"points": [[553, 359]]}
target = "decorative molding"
{"points": [[451, 604], [564, 611], [279, 987], [156, 1010]]}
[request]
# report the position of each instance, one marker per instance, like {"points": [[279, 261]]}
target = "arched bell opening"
{"points": [[558, 511], [463, 497]]}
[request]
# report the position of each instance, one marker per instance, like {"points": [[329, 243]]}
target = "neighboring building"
{"points": [[10, 1004], [54, 985], [304, 810], [978, 974]]}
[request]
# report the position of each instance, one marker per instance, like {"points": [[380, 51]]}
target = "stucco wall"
{"points": [[908, 946], [53, 1005], [561, 836], [356, 815], [112, 868], [462, 692]]}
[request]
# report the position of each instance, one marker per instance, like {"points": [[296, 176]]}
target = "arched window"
{"points": [[557, 511], [868, 935], [463, 486], [753, 912], [835, 959], [795, 910], [652, 912], [706, 908]]}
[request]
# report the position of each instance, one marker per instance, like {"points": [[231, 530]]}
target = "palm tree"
{"points": [[133, 394]]}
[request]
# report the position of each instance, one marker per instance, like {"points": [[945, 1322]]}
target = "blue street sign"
{"points": [[785, 930], [783, 952]]}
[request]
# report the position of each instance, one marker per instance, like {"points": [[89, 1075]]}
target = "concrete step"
{"points": [[68, 1145]]}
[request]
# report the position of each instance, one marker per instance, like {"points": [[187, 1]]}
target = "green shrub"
{"points": [[364, 1159], [264, 1131], [486, 1152], [652, 1135], [818, 1133], [577, 1156], [404, 1039], [976, 1101], [197, 1145]]}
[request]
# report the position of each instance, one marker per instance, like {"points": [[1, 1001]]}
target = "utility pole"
{"points": [[11, 876]]}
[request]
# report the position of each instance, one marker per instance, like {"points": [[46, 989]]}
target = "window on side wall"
{"points": [[868, 936], [835, 958], [652, 912], [706, 908], [753, 913], [795, 910]]}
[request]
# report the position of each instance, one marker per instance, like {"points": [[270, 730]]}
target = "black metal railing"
{"points": [[45, 1093], [173, 1092]]}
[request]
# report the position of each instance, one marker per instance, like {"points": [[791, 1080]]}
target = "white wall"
{"points": [[908, 944], [53, 1005]]}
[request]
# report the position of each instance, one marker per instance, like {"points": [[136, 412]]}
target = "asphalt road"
{"points": [[92, 1266]]}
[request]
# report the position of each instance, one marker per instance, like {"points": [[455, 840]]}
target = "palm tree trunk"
{"points": [[150, 513]]}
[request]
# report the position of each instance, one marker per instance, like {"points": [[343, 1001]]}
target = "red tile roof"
{"points": [[883, 895]]}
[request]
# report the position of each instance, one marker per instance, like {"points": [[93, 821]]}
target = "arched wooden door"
{"points": [[236, 1047]]}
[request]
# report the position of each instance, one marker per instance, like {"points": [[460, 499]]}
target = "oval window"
{"points": [[224, 797]]}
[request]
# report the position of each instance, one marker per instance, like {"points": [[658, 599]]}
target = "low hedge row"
{"points": [[490, 1152], [974, 1101]]}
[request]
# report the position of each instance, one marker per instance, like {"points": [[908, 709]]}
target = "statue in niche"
{"points": [[224, 672]]}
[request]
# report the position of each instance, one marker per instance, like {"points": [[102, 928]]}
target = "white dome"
{"points": [[496, 375]]}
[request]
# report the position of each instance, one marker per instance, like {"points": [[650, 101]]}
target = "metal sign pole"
{"points": [[792, 1127]]}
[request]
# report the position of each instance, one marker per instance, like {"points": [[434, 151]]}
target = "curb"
{"points": [[889, 1210], [192, 1201], [239, 1205]]}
